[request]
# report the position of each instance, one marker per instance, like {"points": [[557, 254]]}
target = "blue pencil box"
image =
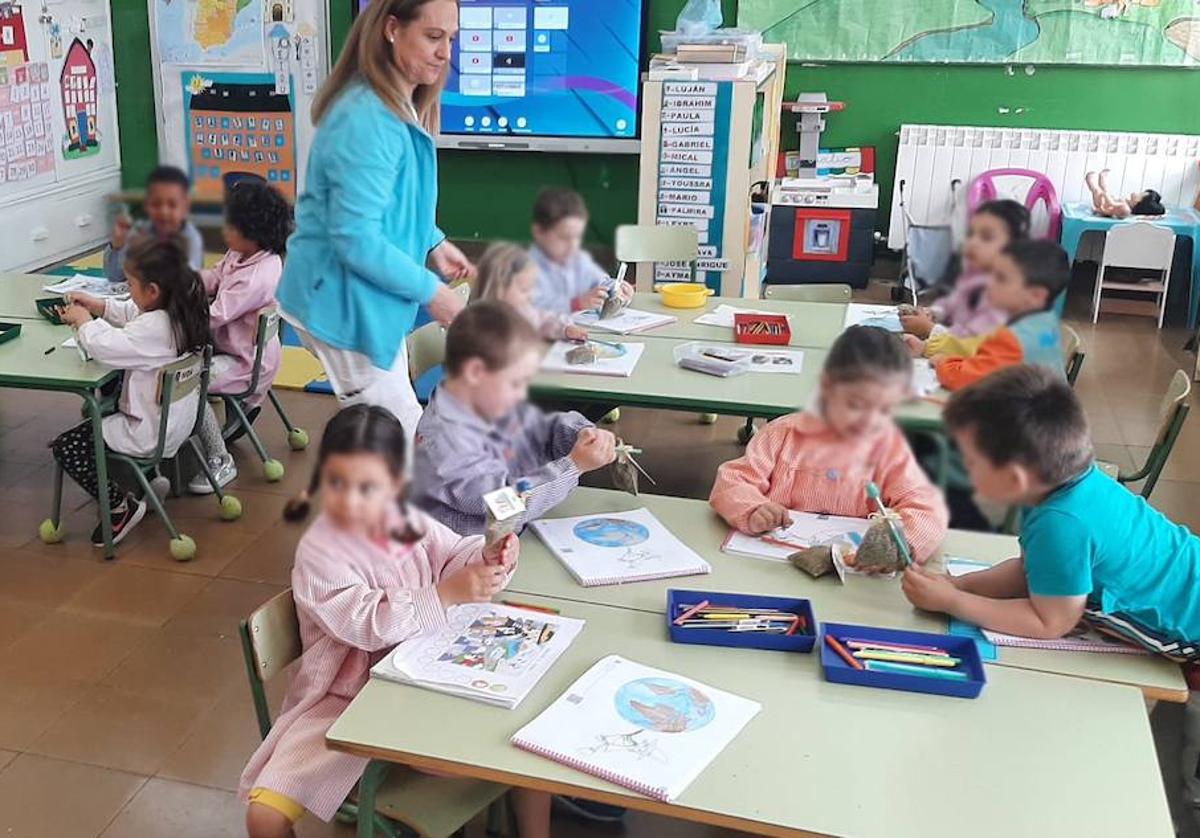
{"points": [[840, 672], [802, 641]]}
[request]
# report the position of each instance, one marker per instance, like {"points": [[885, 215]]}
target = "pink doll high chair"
{"points": [[983, 189]]}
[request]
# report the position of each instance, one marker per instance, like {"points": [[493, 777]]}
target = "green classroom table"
{"points": [[813, 324], [18, 291], [1033, 755], [36, 360], [658, 382], [864, 600]]}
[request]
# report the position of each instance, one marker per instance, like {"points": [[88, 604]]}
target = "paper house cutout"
{"points": [[81, 114]]}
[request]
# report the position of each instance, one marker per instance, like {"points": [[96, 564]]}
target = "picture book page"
{"points": [[593, 357], [806, 530]]}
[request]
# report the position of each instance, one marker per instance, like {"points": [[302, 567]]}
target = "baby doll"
{"points": [[1146, 202]]}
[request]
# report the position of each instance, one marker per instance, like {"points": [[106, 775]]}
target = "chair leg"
{"points": [[51, 529], [372, 778], [259, 448], [1096, 294], [152, 498], [287, 423]]}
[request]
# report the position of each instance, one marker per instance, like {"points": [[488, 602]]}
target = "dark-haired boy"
{"points": [[167, 206]]}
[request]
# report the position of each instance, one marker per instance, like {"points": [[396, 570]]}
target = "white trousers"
{"points": [[356, 380]]}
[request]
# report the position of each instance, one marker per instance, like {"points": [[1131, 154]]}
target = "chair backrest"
{"points": [[270, 641], [1139, 245], [1073, 352], [819, 293], [656, 243], [1175, 400], [176, 381], [268, 330], [426, 349], [1041, 190]]}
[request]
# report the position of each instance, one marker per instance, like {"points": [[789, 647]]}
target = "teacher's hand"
{"points": [[451, 262], [446, 304]]}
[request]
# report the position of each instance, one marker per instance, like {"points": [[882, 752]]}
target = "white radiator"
{"points": [[933, 157]]}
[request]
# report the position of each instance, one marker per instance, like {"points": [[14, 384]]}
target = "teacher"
{"points": [[356, 265]]}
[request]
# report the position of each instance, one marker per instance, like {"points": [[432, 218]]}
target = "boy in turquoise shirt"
{"points": [[1090, 549]]}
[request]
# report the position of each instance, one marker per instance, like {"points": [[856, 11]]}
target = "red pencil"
{"points": [[842, 653]]}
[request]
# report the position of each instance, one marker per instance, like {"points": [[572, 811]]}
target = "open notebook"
{"points": [[639, 727], [617, 547], [807, 530], [489, 653], [870, 314], [629, 320], [612, 358]]}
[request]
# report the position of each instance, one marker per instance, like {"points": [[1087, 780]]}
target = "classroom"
{"points": [[654, 418]]}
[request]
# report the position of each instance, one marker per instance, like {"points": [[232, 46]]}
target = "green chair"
{"points": [[1173, 412], [402, 802], [239, 419], [646, 243], [176, 381], [1073, 352], [820, 293]]}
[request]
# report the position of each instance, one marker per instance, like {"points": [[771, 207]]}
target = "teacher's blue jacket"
{"points": [[355, 271]]}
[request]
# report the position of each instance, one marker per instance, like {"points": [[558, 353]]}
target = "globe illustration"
{"points": [[664, 705], [611, 532]]}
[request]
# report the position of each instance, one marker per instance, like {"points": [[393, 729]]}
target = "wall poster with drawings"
{"points": [[26, 124]]}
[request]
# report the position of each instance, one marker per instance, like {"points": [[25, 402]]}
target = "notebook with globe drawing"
{"points": [[639, 727], [617, 547]]}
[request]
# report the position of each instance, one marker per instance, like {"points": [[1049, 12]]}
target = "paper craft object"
{"points": [[625, 469], [613, 359], [879, 316], [624, 322], [618, 547], [643, 728], [489, 653], [504, 510]]}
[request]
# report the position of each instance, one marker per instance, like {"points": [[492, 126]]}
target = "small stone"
{"points": [[815, 561], [878, 550]]}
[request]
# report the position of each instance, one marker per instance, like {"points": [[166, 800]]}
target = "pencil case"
{"points": [[762, 329], [802, 641], [8, 331], [48, 308], [839, 671]]}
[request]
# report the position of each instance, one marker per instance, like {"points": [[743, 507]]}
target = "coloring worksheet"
{"points": [[593, 357], [629, 320], [806, 530], [880, 316]]}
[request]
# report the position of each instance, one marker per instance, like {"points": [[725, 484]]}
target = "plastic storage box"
{"points": [[840, 672]]}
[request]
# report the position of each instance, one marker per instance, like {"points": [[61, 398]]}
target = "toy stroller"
{"points": [[929, 260]]}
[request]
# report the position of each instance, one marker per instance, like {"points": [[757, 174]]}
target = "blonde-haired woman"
{"points": [[356, 269]]}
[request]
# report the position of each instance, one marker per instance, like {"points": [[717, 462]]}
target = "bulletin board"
{"points": [[235, 81]]}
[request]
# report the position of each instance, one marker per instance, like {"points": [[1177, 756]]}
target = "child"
{"points": [[821, 461], [965, 311], [479, 434], [369, 574], [165, 317], [1027, 278], [508, 274], [167, 206], [257, 223], [569, 279]]}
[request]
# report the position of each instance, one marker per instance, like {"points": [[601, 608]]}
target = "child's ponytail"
{"points": [[164, 262]]}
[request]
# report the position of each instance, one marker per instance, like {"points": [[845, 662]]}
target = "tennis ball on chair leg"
{"points": [[49, 533], [298, 439], [231, 508], [273, 471], [183, 549]]}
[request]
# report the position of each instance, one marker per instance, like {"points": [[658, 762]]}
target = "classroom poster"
{"points": [[203, 33], [79, 92], [237, 126], [14, 45], [1162, 33], [26, 129]]}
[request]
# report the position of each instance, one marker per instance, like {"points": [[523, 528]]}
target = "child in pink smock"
{"points": [[369, 574], [508, 274], [257, 223], [821, 460]]}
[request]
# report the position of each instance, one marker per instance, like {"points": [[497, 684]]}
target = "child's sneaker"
{"points": [[222, 468], [124, 520]]}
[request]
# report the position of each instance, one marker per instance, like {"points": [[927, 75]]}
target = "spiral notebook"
{"points": [[639, 727], [618, 547], [628, 321], [1081, 639]]}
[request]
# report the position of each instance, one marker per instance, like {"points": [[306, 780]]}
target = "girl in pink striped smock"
{"points": [[821, 460], [369, 574]]}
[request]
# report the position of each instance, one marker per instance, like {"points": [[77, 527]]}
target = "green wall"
{"points": [[480, 199]]}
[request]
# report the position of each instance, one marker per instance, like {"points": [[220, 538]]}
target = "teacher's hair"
{"points": [[367, 55]]}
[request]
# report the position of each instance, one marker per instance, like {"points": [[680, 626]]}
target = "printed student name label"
{"points": [[712, 264], [672, 274], [670, 155], [708, 251], [685, 183], [689, 88], [684, 170], [701, 224], [680, 196], [697, 102], [688, 143], [684, 129], [704, 118], [685, 210]]}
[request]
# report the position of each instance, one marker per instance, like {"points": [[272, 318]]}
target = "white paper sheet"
{"points": [[628, 321], [615, 359], [723, 314], [96, 286], [806, 530], [880, 316]]}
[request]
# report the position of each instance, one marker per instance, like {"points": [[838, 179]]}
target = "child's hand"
{"points": [[625, 292], [766, 517], [120, 231], [473, 583], [94, 305], [503, 553], [575, 333], [919, 324], [591, 299], [929, 592], [916, 346], [75, 315], [594, 448]]}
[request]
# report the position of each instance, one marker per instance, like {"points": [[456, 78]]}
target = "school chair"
{"points": [[239, 419], [176, 381], [1073, 352], [1173, 411], [818, 293], [1041, 191], [399, 801], [1138, 246], [427, 349], [643, 243]]}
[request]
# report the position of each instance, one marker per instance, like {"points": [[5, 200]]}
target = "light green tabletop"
{"points": [[865, 600], [813, 324], [28, 362], [658, 382], [18, 291], [1033, 755]]}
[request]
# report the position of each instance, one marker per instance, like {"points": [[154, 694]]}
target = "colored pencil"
{"points": [[693, 610], [898, 646], [842, 653], [545, 609], [905, 669], [898, 657]]}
